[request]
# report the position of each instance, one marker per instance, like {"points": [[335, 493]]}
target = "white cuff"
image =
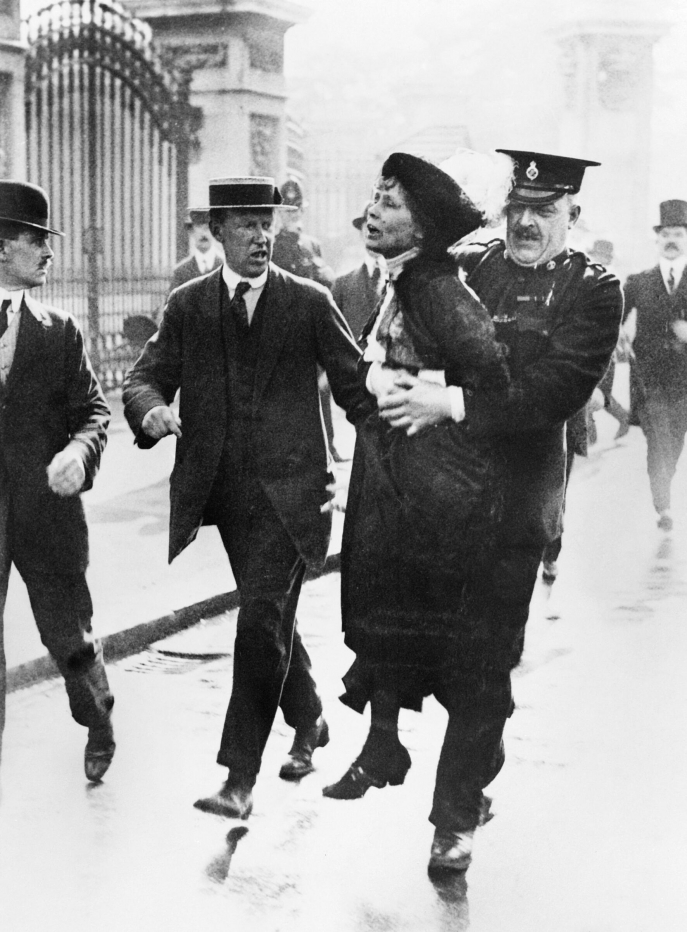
{"points": [[380, 380], [457, 403]]}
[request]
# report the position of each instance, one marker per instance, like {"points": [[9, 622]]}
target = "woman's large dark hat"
{"points": [[436, 195], [26, 204]]}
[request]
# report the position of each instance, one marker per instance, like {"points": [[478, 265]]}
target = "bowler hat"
{"points": [[540, 178], [602, 251], [25, 204], [197, 217], [437, 195], [243, 193], [673, 214]]}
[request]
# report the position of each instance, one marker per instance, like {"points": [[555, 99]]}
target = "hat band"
{"points": [[243, 195]]}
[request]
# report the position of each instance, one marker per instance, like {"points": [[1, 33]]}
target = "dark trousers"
{"points": [[479, 698], [271, 665], [552, 551], [472, 753], [664, 423], [326, 403], [62, 609]]}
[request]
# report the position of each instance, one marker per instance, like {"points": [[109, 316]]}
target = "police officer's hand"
{"points": [[680, 330], [415, 404], [160, 421], [66, 472]]}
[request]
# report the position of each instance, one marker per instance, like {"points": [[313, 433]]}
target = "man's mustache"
{"points": [[526, 233]]}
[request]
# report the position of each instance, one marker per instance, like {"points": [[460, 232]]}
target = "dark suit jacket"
{"points": [[660, 362], [187, 270], [51, 397], [356, 297], [301, 329]]}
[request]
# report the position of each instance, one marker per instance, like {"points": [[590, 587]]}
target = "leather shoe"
{"points": [[357, 780], [299, 763], [99, 752], [233, 801], [451, 851]]}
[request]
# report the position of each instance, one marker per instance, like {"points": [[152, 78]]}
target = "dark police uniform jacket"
{"points": [[560, 323], [301, 329], [660, 363]]}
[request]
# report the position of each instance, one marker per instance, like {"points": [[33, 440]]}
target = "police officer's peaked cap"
{"points": [[539, 178], [27, 205], [436, 195], [292, 193], [673, 214]]}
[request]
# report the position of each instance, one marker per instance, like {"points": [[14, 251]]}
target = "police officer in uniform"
{"points": [[559, 315]]}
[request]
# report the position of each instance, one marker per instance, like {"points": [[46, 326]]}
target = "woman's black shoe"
{"points": [[357, 780]]}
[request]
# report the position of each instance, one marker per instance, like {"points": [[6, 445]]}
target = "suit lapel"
{"points": [[31, 342], [275, 327]]}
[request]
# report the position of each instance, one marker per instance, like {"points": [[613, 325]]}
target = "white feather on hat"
{"points": [[486, 178]]}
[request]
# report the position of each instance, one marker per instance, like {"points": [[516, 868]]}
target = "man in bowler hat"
{"points": [[243, 345], [659, 363], [53, 419], [205, 254], [357, 293], [559, 316]]}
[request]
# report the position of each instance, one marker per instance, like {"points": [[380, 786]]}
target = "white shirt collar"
{"points": [[232, 279], [16, 297], [396, 265], [205, 260], [677, 265]]}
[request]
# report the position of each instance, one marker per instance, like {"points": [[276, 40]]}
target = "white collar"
{"points": [[16, 297], [395, 266], [677, 265], [205, 260], [232, 278]]}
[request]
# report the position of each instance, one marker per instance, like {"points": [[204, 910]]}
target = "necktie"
{"points": [[238, 304], [671, 281], [4, 320]]}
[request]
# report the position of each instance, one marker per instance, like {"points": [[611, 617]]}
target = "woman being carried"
{"points": [[421, 505]]}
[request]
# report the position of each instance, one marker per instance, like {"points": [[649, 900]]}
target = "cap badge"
{"points": [[532, 172]]}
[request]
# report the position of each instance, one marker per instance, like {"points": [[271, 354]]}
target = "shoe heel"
{"points": [[324, 737], [400, 770]]}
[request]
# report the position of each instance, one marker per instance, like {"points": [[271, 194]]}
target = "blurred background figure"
{"points": [[659, 362], [601, 252], [357, 293], [301, 255], [205, 253]]}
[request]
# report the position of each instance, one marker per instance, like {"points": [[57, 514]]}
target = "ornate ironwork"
{"points": [[110, 129]]}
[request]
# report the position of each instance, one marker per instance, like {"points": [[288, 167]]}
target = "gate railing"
{"points": [[109, 132]]}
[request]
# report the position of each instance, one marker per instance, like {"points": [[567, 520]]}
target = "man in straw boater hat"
{"points": [[243, 345], [559, 315], [659, 363], [53, 419]]}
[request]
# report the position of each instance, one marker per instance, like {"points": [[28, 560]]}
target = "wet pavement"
{"points": [[589, 834]]}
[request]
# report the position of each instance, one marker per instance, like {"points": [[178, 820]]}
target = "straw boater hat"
{"points": [[27, 205], [248, 193]]}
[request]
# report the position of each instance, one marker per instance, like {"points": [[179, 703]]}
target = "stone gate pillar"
{"points": [[12, 125], [233, 54], [608, 74]]}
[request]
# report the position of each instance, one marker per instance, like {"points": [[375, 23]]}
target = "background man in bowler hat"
{"points": [[301, 254], [357, 293], [659, 366], [53, 419], [205, 253], [244, 345], [559, 316]]}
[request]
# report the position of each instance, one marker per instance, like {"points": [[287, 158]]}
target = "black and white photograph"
{"points": [[343, 503]]}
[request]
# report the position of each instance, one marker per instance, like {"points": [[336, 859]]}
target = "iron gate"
{"points": [[109, 133]]}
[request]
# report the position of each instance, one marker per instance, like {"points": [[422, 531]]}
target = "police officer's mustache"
{"points": [[528, 233]]}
